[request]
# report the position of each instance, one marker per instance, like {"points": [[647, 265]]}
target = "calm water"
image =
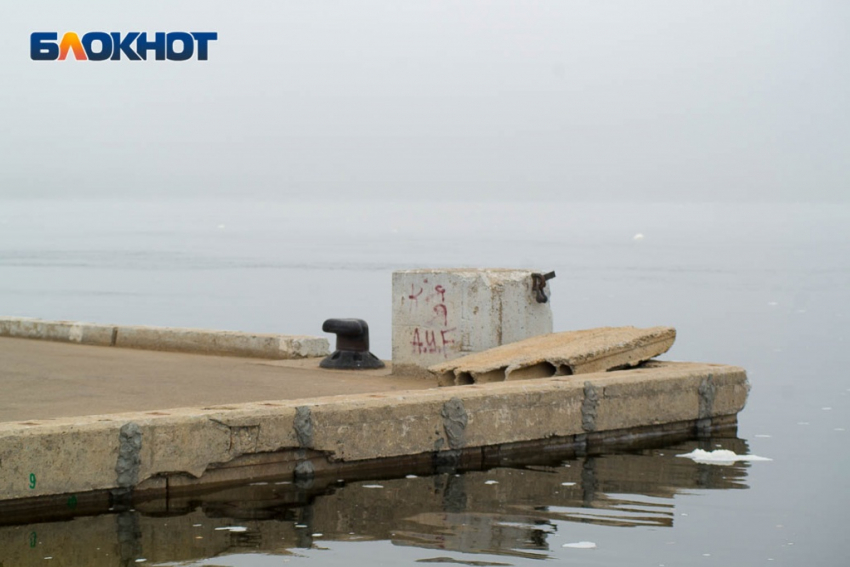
{"points": [[764, 287]]}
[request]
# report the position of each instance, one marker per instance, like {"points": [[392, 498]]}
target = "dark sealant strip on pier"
{"points": [[455, 419], [707, 392], [303, 425], [588, 407]]}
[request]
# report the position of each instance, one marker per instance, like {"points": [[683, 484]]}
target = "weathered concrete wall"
{"points": [[441, 314], [202, 341], [195, 445]]}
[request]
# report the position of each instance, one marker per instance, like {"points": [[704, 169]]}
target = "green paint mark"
{"points": [[72, 501], [32, 481], [33, 539]]}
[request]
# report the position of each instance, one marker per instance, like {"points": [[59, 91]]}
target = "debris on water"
{"points": [[581, 545], [411, 476], [284, 482], [764, 436], [568, 484], [460, 562], [317, 535], [196, 525], [232, 529], [373, 486], [141, 560], [258, 484], [720, 457], [491, 482]]}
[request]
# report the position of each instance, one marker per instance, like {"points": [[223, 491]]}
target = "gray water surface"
{"points": [[760, 286]]}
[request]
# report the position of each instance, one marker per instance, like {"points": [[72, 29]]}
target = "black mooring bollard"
{"points": [[352, 346]]}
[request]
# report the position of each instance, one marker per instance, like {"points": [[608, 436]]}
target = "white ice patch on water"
{"points": [[720, 457], [637, 236], [581, 545], [232, 529], [373, 486], [568, 484], [491, 482], [411, 476]]}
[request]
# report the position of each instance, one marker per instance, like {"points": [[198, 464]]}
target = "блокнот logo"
{"points": [[102, 46]]}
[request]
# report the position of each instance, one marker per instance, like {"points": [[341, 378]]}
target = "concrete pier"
{"points": [[94, 422]]}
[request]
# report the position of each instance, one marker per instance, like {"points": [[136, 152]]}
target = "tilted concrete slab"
{"points": [[174, 449], [558, 354], [201, 341]]}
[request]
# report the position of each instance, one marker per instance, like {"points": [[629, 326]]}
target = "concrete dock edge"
{"points": [[186, 447], [198, 341]]}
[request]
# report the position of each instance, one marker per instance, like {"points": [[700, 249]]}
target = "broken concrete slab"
{"points": [[558, 354]]}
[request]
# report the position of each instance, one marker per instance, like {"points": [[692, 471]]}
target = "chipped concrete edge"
{"points": [[195, 446], [197, 341]]}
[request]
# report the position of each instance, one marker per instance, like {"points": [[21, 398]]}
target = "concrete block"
{"points": [[226, 343], [442, 314], [558, 354], [63, 331]]}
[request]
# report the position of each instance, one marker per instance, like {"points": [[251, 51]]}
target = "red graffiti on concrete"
{"points": [[432, 344]]}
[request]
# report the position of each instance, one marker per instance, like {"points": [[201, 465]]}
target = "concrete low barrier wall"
{"points": [[201, 341], [159, 450]]}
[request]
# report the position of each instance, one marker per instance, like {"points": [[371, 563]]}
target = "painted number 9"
{"points": [[32, 481]]}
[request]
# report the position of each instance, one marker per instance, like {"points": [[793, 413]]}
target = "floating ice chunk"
{"points": [[720, 457], [141, 560], [373, 486], [232, 529], [568, 484], [491, 482], [581, 545], [317, 535], [411, 476], [300, 525], [637, 236]]}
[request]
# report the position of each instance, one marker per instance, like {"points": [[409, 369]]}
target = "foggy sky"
{"points": [[438, 100]]}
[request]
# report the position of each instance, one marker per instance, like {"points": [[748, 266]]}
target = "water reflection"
{"points": [[511, 510]]}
